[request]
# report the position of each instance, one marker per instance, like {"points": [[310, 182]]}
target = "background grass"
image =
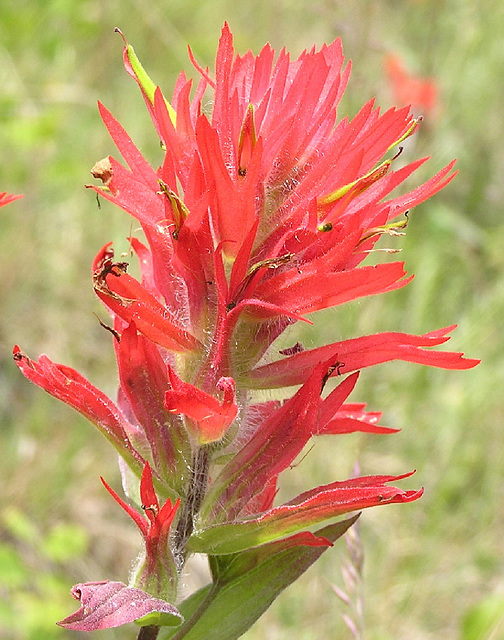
{"points": [[433, 569]]}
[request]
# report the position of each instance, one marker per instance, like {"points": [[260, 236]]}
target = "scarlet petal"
{"points": [[213, 418], [233, 203], [424, 191], [165, 124], [127, 298], [144, 380], [361, 352], [140, 167], [133, 514], [133, 196], [68, 385], [166, 515], [309, 290], [343, 424], [331, 405], [5, 198]]}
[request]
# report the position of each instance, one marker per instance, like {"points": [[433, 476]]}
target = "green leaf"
{"points": [[309, 509], [158, 619], [245, 584]]}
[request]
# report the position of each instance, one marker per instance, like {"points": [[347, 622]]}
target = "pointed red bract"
{"points": [[5, 198], [129, 300], [68, 385], [143, 377], [358, 353], [307, 509], [156, 525], [211, 416]]}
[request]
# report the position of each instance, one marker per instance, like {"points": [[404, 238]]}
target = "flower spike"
{"points": [[260, 214]]}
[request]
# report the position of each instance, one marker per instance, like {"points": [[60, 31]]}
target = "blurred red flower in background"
{"points": [[407, 89]]}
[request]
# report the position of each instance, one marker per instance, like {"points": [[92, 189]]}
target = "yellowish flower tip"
{"points": [[414, 126], [247, 141], [358, 186], [143, 79], [361, 184], [179, 209], [392, 229]]}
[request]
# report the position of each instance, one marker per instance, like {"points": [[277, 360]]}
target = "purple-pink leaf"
{"points": [[110, 604]]}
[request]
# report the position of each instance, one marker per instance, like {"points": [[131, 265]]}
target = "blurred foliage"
{"points": [[34, 570], [432, 569], [485, 619]]}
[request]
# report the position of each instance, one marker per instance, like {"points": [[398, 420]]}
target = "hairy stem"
{"points": [[192, 503]]}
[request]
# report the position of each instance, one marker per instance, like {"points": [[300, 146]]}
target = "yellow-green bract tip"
{"points": [[145, 82]]}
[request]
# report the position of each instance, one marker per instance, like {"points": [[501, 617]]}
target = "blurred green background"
{"points": [[433, 569]]}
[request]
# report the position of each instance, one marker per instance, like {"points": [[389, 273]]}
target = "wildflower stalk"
{"points": [[197, 615], [148, 633], [194, 497], [259, 215]]}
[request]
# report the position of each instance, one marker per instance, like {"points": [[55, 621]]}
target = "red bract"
{"points": [[158, 573], [132, 302], [211, 417], [307, 509], [5, 198], [358, 353], [68, 385], [258, 215], [156, 526]]}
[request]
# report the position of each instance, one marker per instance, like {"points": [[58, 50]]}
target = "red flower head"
{"points": [[258, 216], [261, 214]]}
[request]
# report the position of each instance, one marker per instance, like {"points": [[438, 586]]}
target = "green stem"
{"points": [[190, 622], [148, 633]]}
